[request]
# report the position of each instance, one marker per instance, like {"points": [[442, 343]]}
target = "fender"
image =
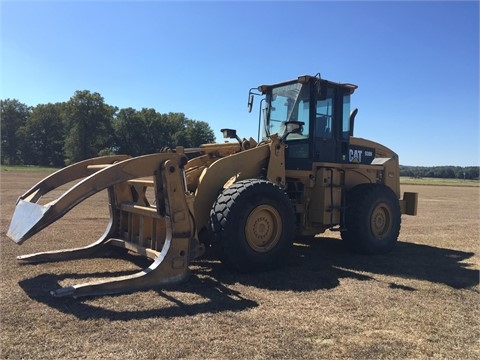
{"points": [[243, 165]]}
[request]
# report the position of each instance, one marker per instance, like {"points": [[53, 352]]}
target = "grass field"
{"points": [[29, 168], [438, 182], [420, 301]]}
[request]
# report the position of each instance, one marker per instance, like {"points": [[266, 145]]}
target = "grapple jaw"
{"points": [[164, 233], [30, 216], [27, 220]]}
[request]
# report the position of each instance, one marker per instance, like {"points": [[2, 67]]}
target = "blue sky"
{"points": [[416, 63]]}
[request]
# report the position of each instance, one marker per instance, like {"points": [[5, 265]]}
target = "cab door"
{"points": [[325, 130]]}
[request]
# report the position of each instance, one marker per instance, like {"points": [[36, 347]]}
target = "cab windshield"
{"points": [[287, 103]]}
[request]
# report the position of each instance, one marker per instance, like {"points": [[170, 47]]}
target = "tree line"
{"points": [[445, 172], [85, 126]]}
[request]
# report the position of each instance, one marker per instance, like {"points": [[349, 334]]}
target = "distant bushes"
{"points": [[444, 172]]}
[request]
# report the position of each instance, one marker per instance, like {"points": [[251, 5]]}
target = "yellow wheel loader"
{"points": [[247, 199]]}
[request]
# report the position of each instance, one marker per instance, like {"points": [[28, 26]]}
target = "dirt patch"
{"points": [[420, 301]]}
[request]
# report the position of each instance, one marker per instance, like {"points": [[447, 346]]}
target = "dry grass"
{"points": [[420, 301]]}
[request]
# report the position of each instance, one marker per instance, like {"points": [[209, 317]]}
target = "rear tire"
{"points": [[252, 224], [372, 219]]}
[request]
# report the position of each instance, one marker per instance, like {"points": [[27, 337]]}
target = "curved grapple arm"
{"points": [[30, 217], [165, 233]]}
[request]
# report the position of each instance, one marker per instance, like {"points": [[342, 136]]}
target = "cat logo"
{"points": [[355, 156]]}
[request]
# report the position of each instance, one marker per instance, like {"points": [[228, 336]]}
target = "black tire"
{"points": [[372, 219], [253, 225]]}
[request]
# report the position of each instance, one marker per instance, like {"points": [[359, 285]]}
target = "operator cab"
{"points": [[322, 108]]}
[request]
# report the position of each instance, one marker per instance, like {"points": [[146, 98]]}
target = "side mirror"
{"points": [[250, 102]]}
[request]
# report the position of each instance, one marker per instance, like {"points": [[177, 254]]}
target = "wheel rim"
{"points": [[263, 228], [381, 222]]}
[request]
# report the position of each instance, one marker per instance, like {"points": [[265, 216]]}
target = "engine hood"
{"points": [[381, 151]]}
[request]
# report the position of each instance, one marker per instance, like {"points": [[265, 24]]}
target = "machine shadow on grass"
{"points": [[313, 264], [319, 263], [217, 298]]}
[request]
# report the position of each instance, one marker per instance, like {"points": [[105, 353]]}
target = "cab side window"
{"points": [[324, 116], [346, 117]]}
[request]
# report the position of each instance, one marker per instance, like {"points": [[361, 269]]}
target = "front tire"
{"points": [[372, 219], [252, 224]]}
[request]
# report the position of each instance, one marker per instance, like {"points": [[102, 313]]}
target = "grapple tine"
{"points": [[26, 220], [170, 267]]}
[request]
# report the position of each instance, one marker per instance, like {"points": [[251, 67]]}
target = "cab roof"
{"points": [[304, 79]]}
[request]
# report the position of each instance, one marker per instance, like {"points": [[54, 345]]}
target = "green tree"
{"points": [[198, 133], [188, 133], [43, 136], [158, 133], [131, 133], [174, 126], [88, 126], [147, 131], [13, 115]]}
